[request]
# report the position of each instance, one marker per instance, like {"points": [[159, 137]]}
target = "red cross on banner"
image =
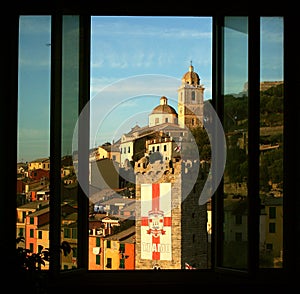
{"points": [[156, 242]]}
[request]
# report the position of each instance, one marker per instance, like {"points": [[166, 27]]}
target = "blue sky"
{"points": [[137, 60], [134, 61]]}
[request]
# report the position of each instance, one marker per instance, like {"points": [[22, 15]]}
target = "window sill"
{"points": [[168, 280]]}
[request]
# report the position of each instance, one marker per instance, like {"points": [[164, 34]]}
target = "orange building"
{"points": [[113, 252]]}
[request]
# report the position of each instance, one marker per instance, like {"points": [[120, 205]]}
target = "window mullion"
{"points": [[253, 141], [55, 142], [84, 122], [218, 103]]}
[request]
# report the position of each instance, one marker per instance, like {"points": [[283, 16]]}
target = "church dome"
{"points": [[163, 113], [191, 77], [163, 107]]}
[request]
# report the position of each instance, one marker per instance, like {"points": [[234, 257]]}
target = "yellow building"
{"points": [[40, 163]]}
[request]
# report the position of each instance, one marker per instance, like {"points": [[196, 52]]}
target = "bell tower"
{"points": [[190, 100]]}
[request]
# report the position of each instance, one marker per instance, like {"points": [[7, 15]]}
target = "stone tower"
{"points": [[190, 100], [170, 194]]}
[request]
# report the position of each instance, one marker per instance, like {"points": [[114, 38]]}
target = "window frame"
{"points": [[291, 176]]}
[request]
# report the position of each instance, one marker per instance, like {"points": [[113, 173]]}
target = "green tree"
{"points": [[202, 140], [236, 164]]}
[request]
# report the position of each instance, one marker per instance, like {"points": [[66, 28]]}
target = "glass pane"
{"points": [[70, 108], [235, 232], [150, 152], [271, 142], [33, 166]]}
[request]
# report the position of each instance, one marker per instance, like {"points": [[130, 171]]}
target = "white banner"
{"points": [[156, 220]]}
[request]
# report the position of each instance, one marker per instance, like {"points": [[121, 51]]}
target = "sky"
{"points": [[134, 61]]}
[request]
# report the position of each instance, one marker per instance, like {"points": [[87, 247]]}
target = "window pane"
{"points": [[235, 232], [33, 192], [70, 108], [271, 142], [150, 154], [33, 141]]}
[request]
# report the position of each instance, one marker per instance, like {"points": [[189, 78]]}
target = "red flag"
{"points": [[187, 266]]}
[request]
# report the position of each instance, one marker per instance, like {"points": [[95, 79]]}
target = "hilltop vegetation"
{"points": [[271, 109], [271, 134], [236, 131]]}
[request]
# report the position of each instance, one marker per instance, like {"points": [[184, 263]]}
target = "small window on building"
{"points": [[269, 246], [122, 263], [272, 228], [98, 242], [108, 262], [40, 248], [21, 232], [193, 96], [67, 233], [74, 233], [238, 237], [98, 259], [238, 219], [122, 248], [272, 212]]}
